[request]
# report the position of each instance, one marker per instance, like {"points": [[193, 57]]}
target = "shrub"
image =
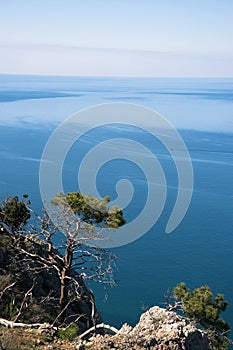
{"points": [[69, 333]]}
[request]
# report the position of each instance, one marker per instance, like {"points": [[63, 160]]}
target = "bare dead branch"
{"points": [[24, 301], [75, 320], [12, 324], [72, 259], [176, 306], [100, 325], [6, 288], [62, 311]]}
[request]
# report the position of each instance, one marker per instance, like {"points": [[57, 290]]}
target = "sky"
{"points": [[151, 38]]}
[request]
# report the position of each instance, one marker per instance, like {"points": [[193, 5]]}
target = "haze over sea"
{"points": [[200, 250]]}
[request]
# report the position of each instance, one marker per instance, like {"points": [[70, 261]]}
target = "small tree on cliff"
{"points": [[81, 235], [68, 249], [14, 213], [200, 306]]}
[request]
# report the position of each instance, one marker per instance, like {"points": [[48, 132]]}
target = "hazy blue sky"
{"points": [[117, 37]]}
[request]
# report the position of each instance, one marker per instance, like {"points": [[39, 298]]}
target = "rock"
{"points": [[157, 329], [125, 329], [47, 330]]}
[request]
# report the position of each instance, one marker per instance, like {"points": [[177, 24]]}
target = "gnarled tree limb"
{"points": [[100, 325], [11, 324]]}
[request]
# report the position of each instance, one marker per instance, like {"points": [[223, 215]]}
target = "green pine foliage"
{"points": [[14, 213], [200, 306], [91, 210]]}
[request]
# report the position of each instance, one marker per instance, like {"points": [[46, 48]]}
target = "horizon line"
{"points": [[113, 76]]}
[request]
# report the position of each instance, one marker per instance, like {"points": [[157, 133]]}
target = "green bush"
{"points": [[69, 333], [14, 213], [10, 310], [200, 306]]}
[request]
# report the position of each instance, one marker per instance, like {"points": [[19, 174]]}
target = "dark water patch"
{"points": [[11, 96], [212, 95]]}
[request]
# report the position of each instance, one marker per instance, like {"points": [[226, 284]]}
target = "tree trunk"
{"points": [[64, 272], [63, 292]]}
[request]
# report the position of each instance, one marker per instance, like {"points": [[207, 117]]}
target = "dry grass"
{"points": [[21, 339]]}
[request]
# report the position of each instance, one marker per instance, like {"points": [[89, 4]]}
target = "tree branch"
{"points": [[100, 325], [6, 288], [12, 324]]}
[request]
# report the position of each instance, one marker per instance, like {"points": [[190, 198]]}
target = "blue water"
{"points": [[200, 250]]}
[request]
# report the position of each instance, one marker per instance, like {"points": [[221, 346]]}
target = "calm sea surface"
{"points": [[200, 250]]}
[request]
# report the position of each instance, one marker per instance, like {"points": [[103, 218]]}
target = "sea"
{"points": [[199, 251]]}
